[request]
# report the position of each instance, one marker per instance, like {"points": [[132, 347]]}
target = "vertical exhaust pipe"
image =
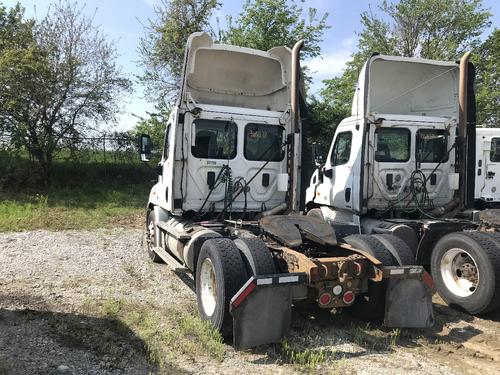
{"points": [[462, 125], [295, 84], [295, 141]]}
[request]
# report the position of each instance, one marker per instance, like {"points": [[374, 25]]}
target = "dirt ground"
{"points": [[82, 302]]}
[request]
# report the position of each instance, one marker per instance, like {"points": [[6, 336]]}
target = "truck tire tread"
{"points": [[374, 307], [226, 259], [256, 256], [399, 246], [486, 249]]}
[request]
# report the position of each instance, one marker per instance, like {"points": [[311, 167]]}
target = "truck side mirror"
{"points": [[317, 154], [145, 147], [328, 172]]}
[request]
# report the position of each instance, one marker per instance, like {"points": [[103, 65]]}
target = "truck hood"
{"points": [[220, 74], [407, 86]]}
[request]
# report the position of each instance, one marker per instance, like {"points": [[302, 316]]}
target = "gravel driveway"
{"points": [[82, 302]]}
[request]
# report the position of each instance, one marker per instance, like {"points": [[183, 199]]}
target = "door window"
{"points": [[341, 149], [214, 139], [166, 146], [263, 142], [393, 145], [432, 146], [495, 150]]}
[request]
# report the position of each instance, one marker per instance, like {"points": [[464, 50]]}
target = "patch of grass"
{"points": [[291, 353], [82, 195], [3, 368], [380, 339], [87, 207], [131, 270], [107, 338], [394, 336], [165, 334]]}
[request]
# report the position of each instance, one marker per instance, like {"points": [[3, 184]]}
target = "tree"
{"points": [[264, 24], [58, 82], [162, 48], [433, 29], [154, 126], [488, 80]]}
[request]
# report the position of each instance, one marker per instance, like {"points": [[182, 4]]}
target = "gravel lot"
{"points": [[59, 292]]}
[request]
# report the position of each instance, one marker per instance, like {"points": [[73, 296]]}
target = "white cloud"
{"points": [[328, 65], [150, 3], [349, 43]]}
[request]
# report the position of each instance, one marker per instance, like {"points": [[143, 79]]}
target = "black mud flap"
{"points": [[262, 309], [408, 302]]}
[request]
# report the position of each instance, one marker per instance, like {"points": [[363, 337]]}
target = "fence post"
{"points": [[104, 152]]}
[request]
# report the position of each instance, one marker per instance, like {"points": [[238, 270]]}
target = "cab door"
{"points": [[336, 189], [491, 189]]}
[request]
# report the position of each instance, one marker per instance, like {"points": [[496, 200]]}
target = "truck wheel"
{"points": [[371, 306], [151, 237], [316, 213], [465, 267], [398, 248], [256, 256], [220, 273]]}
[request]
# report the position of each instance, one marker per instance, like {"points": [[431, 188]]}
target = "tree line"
{"points": [[59, 76]]}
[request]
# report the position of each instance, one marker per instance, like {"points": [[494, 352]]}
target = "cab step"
{"points": [[170, 261]]}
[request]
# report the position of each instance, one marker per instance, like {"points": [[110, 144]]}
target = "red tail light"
{"points": [[348, 297], [325, 299]]}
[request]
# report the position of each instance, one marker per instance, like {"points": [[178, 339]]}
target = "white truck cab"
{"points": [[404, 118], [232, 117]]}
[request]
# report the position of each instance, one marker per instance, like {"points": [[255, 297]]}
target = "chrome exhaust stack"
{"points": [[295, 141]]}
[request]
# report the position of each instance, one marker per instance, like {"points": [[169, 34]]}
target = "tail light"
{"points": [[348, 297], [325, 299]]}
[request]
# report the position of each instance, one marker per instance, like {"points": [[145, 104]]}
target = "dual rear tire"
{"points": [[465, 267], [222, 269], [390, 251]]}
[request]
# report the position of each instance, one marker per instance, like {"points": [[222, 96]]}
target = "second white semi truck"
{"points": [[404, 163]]}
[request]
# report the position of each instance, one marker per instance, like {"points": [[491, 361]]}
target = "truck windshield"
{"points": [[214, 139], [495, 150], [432, 146], [393, 145], [263, 142]]}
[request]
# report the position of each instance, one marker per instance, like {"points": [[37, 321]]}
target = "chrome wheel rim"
{"points": [[459, 272], [208, 286]]}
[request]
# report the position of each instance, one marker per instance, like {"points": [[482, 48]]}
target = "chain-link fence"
{"points": [[105, 148], [105, 158]]}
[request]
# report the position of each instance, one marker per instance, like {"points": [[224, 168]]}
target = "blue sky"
{"points": [[123, 20]]}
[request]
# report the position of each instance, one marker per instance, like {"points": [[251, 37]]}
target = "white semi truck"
{"points": [[404, 164], [223, 208]]}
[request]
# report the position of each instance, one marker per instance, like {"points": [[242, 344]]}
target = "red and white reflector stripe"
{"points": [[266, 281], [288, 279], [245, 291]]}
